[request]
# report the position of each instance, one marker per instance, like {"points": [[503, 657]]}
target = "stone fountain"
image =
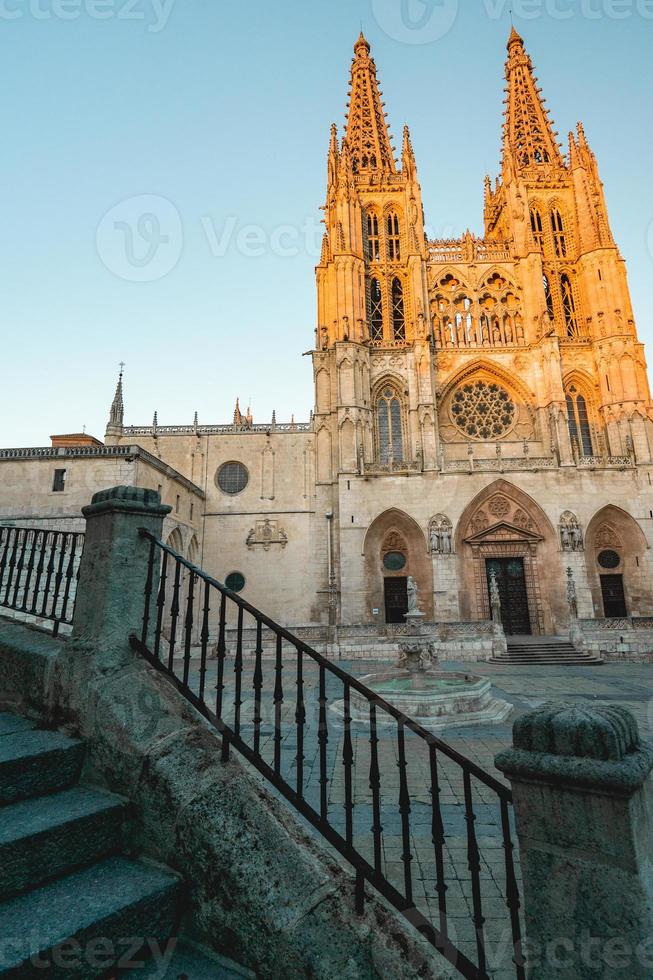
{"points": [[435, 698]]}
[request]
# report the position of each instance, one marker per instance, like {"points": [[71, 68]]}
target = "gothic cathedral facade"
{"points": [[482, 405]]}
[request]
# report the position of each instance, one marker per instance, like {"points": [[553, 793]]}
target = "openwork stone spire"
{"points": [[117, 412], [367, 131], [529, 136]]}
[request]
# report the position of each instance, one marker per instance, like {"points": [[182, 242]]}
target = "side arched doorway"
{"points": [[617, 566], [505, 532], [395, 548]]}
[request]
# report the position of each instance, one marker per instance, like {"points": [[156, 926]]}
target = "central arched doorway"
{"points": [[505, 534], [394, 549]]}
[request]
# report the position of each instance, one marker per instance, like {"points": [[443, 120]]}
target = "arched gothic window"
{"points": [[548, 295], [579, 424], [376, 310], [559, 239], [398, 317], [390, 426], [373, 248], [394, 242], [568, 306], [537, 229]]}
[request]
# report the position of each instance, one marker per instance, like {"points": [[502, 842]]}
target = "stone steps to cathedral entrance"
{"points": [[68, 895], [544, 651]]}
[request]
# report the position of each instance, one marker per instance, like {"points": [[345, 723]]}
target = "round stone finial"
{"points": [[141, 495], [127, 499], [578, 747], [605, 732]]}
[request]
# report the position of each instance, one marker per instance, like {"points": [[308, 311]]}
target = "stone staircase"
{"points": [[535, 651], [70, 902]]}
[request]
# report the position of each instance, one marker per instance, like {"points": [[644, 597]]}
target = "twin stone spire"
{"points": [[367, 149]]}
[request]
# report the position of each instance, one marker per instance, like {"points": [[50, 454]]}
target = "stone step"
{"points": [[9, 724], [191, 964], [541, 646], [85, 924], [50, 836], [543, 662], [35, 763]]}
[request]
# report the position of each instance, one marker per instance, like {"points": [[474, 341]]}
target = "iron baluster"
{"points": [[238, 671], [12, 565], [174, 615], [404, 810], [70, 568], [39, 572], [278, 705], [375, 786], [512, 892], [474, 863], [29, 572], [19, 568], [5, 535], [437, 833], [160, 605], [58, 579], [50, 572], [348, 763], [221, 652], [300, 721], [257, 684], [149, 581], [204, 638], [323, 740], [188, 626]]}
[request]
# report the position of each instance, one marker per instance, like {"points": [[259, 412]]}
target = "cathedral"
{"points": [[482, 408]]}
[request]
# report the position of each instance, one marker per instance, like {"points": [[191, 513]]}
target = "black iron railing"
{"points": [[38, 572], [400, 805]]}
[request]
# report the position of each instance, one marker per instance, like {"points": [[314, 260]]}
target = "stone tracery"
{"points": [[482, 409]]}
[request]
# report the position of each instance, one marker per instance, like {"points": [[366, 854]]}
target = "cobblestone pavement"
{"points": [[525, 687]]}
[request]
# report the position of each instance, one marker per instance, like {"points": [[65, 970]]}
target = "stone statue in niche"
{"points": [[571, 535], [440, 535]]}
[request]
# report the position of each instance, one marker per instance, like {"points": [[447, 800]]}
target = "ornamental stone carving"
{"points": [[265, 534], [499, 506]]}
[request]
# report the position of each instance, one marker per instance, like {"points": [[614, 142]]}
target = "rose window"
{"points": [[482, 410]]}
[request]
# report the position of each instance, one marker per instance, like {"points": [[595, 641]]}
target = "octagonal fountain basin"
{"points": [[435, 698]]}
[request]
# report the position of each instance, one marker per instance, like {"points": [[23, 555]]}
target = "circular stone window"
{"points": [[482, 410], [609, 559], [232, 477], [394, 561], [235, 581]]}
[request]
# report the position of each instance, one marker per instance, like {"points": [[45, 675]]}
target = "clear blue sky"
{"points": [[223, 109]]}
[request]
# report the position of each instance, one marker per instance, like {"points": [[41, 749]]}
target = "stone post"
{"points": [[583, 803], [113, 571]]}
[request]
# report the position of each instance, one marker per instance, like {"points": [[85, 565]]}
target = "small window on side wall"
{"points": [[59, 481], [235, 581]]}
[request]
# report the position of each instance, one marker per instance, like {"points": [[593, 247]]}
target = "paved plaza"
{"points": [[524, 687]]}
